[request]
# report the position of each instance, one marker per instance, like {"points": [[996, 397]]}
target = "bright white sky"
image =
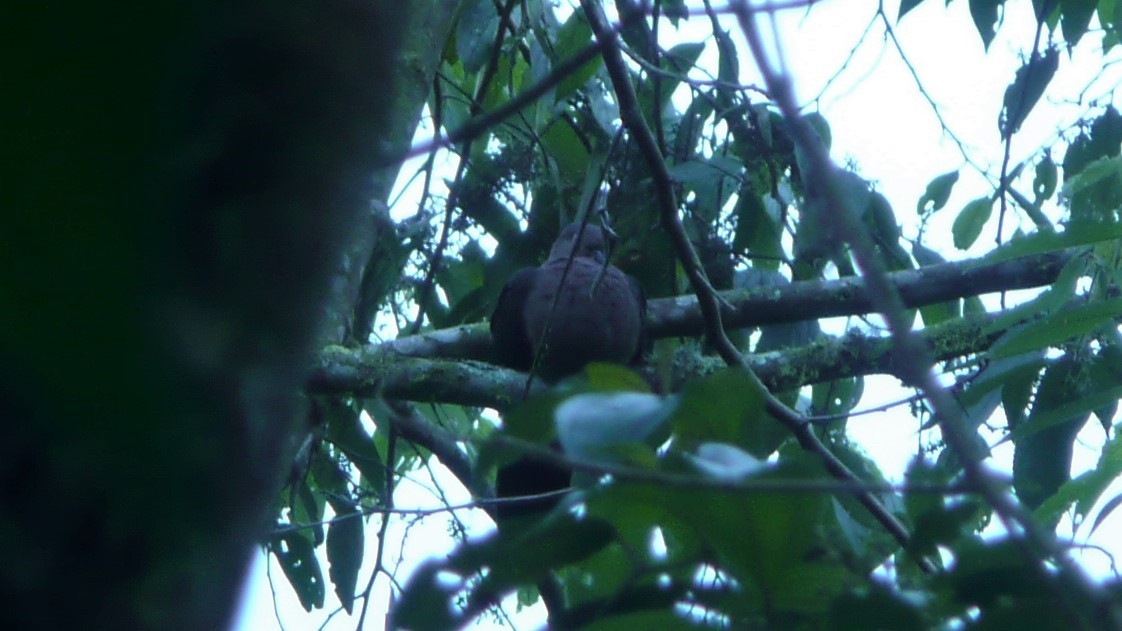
{"points": [[882, 124]]}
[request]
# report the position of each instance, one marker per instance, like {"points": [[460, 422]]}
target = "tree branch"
{"points": [[796, 302], [372, 371]]}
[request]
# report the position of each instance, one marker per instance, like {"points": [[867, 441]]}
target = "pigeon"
{"points": [[598, 317]]}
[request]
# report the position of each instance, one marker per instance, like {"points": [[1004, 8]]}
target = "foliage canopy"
{"points": [[716, 186]]}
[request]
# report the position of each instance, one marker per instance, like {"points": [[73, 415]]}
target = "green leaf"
{"points": [[837, 397], [1042, 455], [1102, 141], [937, 193], [1085, 490], [905, 6], [678, 61], [1084, 405], [1095, 194], [345, 545], [727, 407], [758, 227], [1016, 392], [1057, 328], [307, 508], [968, 225], [573, 37], [728, 65], [475, 34], [568, 151], [592, 425], [1044, 182], [1074, 235], [1027, 88], [984, 14], [712, 181], [1075, 17], [765, 540], [1093, 173], [296, 555]]}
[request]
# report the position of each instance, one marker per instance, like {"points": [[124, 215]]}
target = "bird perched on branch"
{"points": [[595, 314]]}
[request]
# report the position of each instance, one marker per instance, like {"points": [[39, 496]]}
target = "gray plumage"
{"points": [[598, 316]]}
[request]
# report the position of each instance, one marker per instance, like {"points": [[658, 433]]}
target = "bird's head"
{"points": [[593, 244]]}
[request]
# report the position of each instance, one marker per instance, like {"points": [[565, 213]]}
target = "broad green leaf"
{"points": [[1042, 453], [865, 544], [568, 152], [1102, 141], [307, 509], [1072, 236], [1058, 328], [728, 65], [764, 539], [758, 228], [296, 555], [686, 135], [937, 193], [1086, 489], [1093, 173], [475, 34], [573, 37], [905, 6], [1044, 182], [1095, 194], [600, 576], [984, 13], [1027, 88], [837, 397], [998, 373], [822, 127], [679, 60], [711, 180], [1075, 17], [1085, 404], [727, 407], [885, 231], [1016, 392], [876, 606], [603, 377], [968, 224], [591, 425], [345, 545]]}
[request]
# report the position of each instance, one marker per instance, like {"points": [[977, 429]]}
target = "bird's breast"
{"points": [[573, 323]]}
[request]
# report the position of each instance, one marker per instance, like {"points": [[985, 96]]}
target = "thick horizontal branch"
{"points": [[804, 300], [372, 372]]}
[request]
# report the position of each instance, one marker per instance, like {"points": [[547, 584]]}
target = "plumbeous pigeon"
{"points": [[593, 320]]}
